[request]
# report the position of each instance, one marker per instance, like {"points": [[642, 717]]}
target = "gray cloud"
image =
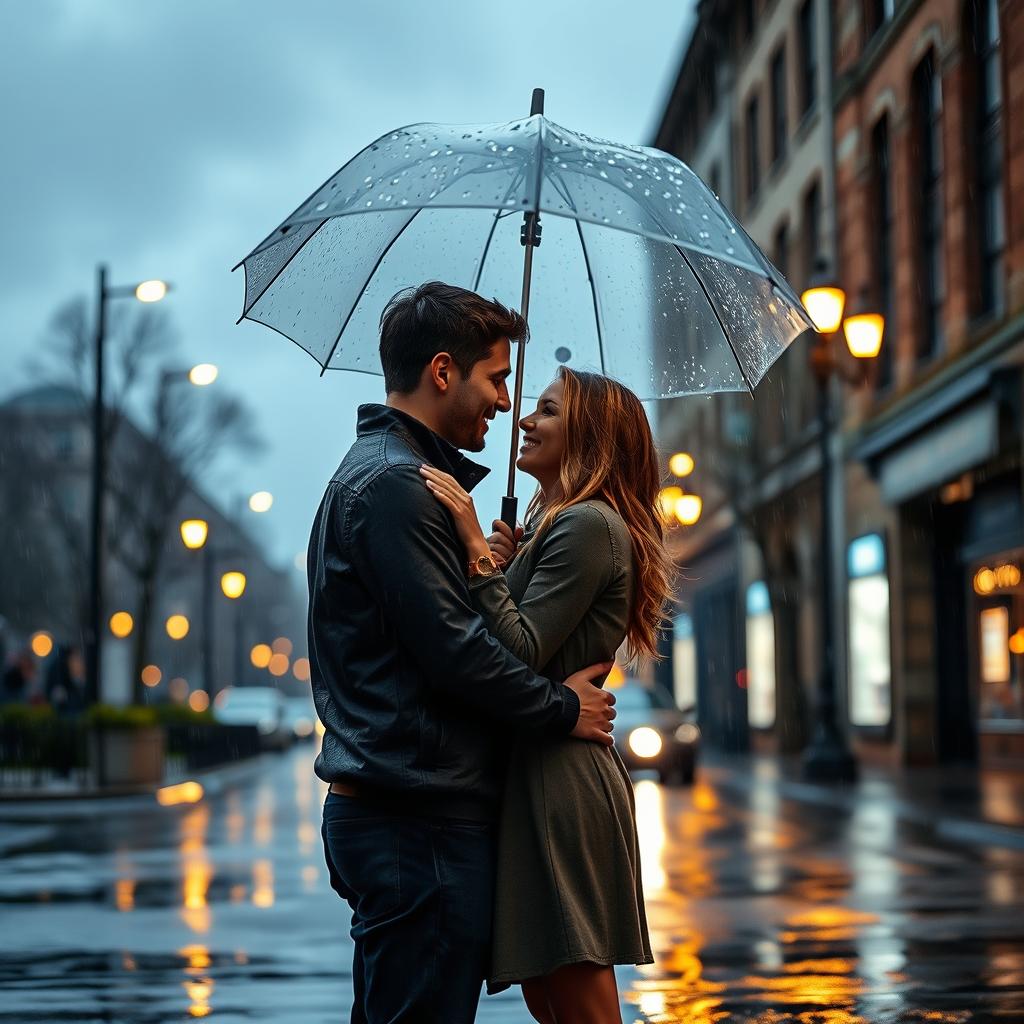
{"points": [[168, 137]]}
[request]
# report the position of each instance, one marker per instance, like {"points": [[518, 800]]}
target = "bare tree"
{"points": [[160, 434]]}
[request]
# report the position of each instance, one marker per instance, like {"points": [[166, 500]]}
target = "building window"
{"points": [[811, 229], [780, 248], [984, 144], [753, 147], [760, 657], [808, 33], [778, 99], [876, 14], [927, 128], [884, 220], [870, 661]]}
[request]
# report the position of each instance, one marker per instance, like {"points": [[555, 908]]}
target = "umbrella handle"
{"points": [[509, 508]]}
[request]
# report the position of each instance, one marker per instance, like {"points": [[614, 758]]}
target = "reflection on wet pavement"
{"points": [[761, 910]]}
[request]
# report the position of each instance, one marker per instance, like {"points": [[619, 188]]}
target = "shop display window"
{"points": [[684, 661], [870, 675], [760, 657], [999, 621]]}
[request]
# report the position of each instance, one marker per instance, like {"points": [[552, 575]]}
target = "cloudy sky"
{"points": [[168, 137]]}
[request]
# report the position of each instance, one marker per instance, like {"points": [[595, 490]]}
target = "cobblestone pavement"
{"points": [[763, 907]]}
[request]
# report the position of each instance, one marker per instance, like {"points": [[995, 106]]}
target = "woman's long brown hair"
{"points": [[610, 455]]}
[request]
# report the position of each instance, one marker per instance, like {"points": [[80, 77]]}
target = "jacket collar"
{"points": [[435, 449]]}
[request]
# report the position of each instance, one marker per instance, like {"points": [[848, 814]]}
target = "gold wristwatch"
{"points": [[482, 566]]}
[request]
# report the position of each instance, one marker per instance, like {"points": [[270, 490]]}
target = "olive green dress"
{"points": [[568, 878]]}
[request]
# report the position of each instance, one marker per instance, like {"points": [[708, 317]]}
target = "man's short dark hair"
{"points": [[435, 317]]}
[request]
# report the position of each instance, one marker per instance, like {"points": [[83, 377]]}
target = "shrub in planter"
{"points": [[127, 745]]}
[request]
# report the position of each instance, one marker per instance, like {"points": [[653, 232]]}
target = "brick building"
{"points": [[907, 176]]}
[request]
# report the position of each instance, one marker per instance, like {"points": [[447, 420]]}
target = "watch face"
{"points": [[486, 566]]}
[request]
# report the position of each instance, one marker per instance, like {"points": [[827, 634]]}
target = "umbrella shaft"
{"points": [[517, 395]]}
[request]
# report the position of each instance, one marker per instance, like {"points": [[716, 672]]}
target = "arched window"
{"points": [[927, 186], [984, 146]]}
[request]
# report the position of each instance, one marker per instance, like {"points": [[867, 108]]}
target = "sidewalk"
{"points": [[959, 804]]}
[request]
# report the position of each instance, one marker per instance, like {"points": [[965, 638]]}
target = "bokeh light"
{"points": [[42, 644], [260, 655], [282, 645], [278, 664], [199, 700], [177, 627], [151, 675], [121, 624], [301, 670]]}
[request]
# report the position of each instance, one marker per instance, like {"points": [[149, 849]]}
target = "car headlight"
{"points": [[645, 742], [266, 725], [687, 733]]}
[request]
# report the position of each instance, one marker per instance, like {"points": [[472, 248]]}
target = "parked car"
{"points": [[261, 706], [652, 734], [300, 717]]}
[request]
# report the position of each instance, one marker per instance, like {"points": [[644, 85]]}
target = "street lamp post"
{"points": [[827, 757], [146, 291]]}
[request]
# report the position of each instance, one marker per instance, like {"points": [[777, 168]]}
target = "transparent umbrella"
{"points": [[643, 274]]}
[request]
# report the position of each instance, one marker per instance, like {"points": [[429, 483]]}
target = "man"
{"points": [[415, 696]]}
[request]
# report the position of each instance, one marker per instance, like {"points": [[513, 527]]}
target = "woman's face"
{"points": [[543, 443]]}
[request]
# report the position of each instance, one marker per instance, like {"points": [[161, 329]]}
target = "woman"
{"points": [[591, 572]]}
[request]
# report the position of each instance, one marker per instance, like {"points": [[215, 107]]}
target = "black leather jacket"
{"points": [[413, 691]]}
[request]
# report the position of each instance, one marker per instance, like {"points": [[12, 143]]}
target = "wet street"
{"points": [[762, 908]]}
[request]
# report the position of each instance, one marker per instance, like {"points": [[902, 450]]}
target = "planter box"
{"points": [[128, 757]]}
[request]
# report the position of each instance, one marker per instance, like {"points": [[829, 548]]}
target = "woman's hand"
{"points": [[456, 499], [503, 542]]}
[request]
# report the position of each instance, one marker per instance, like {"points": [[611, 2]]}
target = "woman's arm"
{"points": [[575, 564]]}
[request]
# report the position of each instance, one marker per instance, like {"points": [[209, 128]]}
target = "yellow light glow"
{"points": [[262, 883], [1002, 577], [645, 742], [121, 624], [151, 291], [260, 655], [681, 464], [261, 501], [177, 627], [202, 374], [615, 678], [1017, 641], [151, 675], [278, 664], [183, 793], [282, 645], [864, 334], [825, 306], [124, 894], [688, 508], [198, 700], [233, 584], [42, 644], [178, 688], [194, 533], [301, 669], [667, 498]]}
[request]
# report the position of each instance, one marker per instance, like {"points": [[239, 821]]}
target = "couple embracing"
{"points": [[478, 821]]}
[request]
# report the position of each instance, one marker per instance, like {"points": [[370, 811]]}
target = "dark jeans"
{"points": [[421, 891]]}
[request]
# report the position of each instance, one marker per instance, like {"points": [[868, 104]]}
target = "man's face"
{"points": [[475, 399]]}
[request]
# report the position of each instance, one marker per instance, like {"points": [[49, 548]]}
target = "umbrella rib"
{"points": [[593, 294], [280, 271], [499, 213], [721, 322], [362, 292]]}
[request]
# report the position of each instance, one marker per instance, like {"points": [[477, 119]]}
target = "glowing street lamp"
{"points": [[233, 584], [681, 464], [864, 334], [203, 374], [194, 533], [688, 508], [151, 291], [261, 501]]}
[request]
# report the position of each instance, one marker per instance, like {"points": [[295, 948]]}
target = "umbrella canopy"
{"points": [[642, 273]]}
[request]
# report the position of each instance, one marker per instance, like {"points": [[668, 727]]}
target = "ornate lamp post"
{"points": [[828, 758]]}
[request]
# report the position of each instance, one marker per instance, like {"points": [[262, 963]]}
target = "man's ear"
{"points": [[440, 369]]}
